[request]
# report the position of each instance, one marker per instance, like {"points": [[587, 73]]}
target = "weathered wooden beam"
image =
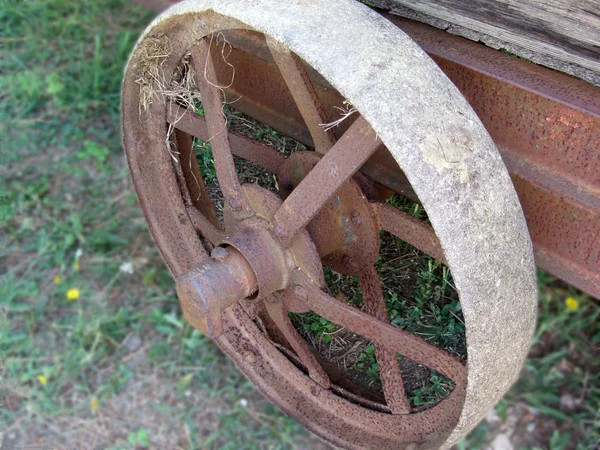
{"points": [[555, 33]]}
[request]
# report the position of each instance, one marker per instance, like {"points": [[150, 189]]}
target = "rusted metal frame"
{"points": [[267, 157], [217, 129], [567, 243], [410, 229], [242, 146], [547, 127], [389, 368], [385, 335], [543, 122], [337, 166], [270, 368], [297, 79]]}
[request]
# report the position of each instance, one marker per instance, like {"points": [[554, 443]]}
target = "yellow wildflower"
{"points": [[73, 294], [76, 265], [572, 303], [42, 379], [94, 404], [57, 279]]}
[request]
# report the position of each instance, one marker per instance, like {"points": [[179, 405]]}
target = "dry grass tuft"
{"points": [[153, 52]]}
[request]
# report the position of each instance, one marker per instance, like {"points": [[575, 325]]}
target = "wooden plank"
{"points": [[565, 30]]}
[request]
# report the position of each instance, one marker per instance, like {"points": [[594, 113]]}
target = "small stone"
{"points": [[527, 418], [501, 442], [126, 267], [568, 403], [492, 417], [531, 427], [133, 342]]}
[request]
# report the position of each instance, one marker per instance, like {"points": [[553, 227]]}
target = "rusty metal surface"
{"points": [[204, 226], [389, 337], [480, 221], [192, 178], [296, 78], [406, 227], [278, 310], [338, 165], [242, 146], [546, 125], [357, 426], [389, 367], [344, 230], [301, 253], [212, 286], [202, 62]]}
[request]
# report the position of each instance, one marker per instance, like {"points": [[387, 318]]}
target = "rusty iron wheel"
{"points": [[264, 259]]}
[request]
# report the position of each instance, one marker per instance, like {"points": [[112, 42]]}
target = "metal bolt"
{"points": [[357, 219], [250, 356], [349, 262], [273, 298], [300, 292], [219, 253], [279, 230], [235, 204]]}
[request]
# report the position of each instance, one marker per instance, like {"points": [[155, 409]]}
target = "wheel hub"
{"points": [[344, 231], [249, 263]]}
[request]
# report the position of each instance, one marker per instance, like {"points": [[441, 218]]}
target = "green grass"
{"points": [[70, 221], [116, 365]]}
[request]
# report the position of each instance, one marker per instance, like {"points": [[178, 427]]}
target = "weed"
{"points": [[321, 329], [368, 363], [437, 388]]}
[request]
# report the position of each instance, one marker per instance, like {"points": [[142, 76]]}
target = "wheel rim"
{"points": [[323, 410]]}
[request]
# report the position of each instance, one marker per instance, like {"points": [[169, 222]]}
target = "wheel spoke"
{"points": [[389, 368], [218, 132], [278, 311], [410, 229], [242, 146], [297, 80], [205, 226], [198, 194], [339, 164], [393, 339]]}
